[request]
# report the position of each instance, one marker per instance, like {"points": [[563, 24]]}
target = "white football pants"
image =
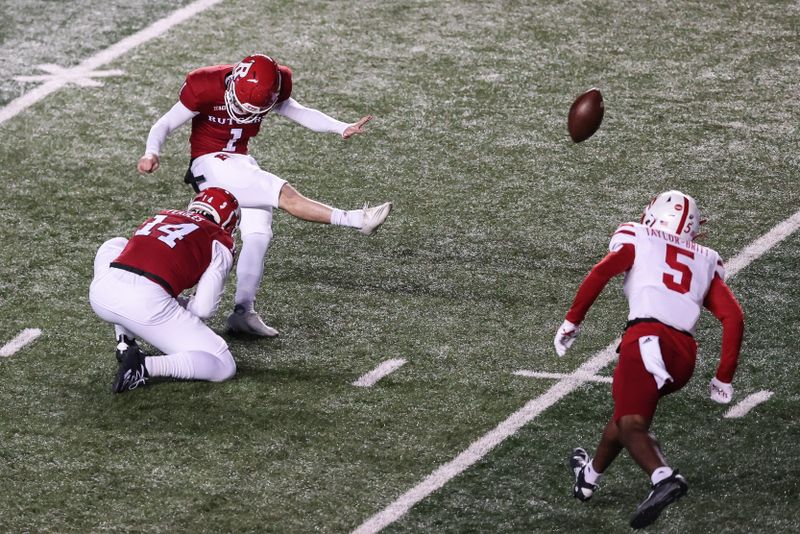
{"points": [[192, 350], [258, 193]]}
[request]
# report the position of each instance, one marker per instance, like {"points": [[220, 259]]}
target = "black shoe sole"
{"points": [[649, 514]]}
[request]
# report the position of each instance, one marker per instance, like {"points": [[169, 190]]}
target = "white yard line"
{"points": [[389, 366], [757, 248], [557, 391], [747, 404], [85, 69], [23, 338], [558, 376]]}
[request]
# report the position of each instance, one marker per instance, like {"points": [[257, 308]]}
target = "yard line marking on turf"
{"points": [[486, 443], [23, 338], [747, 404], [78, 77], [389, 366], [757, 248], [82, 73], [480, 448], [566, 376]]}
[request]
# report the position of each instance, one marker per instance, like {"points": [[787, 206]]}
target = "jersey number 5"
{"points": [[673, 254], [171, 233]]}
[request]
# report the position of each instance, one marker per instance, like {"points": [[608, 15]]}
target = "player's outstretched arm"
{"points": [[613, 264], [723, 304], [164, 126], [318, 121], [356, 127]]}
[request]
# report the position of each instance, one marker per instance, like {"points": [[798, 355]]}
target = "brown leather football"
{"points": [[585, 115]]}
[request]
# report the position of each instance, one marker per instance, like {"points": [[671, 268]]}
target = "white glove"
{"points": [[720, 391], [565, 337]]}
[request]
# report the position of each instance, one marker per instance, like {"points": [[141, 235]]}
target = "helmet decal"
{"points": [[252, 89], [673, 212], [219, 205]]}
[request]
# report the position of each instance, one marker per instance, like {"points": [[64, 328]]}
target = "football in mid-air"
{"points": [[585, 115]]}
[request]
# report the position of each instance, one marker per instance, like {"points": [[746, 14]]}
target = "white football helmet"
{"points": [[673, 212]]}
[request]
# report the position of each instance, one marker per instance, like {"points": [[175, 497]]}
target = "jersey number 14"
{"points": [[170, 233]]}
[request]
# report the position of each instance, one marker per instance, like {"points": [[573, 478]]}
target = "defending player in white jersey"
{"points": [[668, 280], [138, 283], [226, 105]]}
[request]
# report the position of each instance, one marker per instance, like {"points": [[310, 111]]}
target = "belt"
{"points": [[150, 276], [651, 320], [193, 180]]}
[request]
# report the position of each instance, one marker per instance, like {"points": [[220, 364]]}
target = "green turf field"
{"points": [[498, 216]]}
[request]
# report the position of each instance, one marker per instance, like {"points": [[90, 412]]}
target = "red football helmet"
{"points": [[252, 88], [219, 205]]}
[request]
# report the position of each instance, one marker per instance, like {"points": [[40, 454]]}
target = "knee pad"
{"points": [[255, 238], [256, 221], [228, 365]]}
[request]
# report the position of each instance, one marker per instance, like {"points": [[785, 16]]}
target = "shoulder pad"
{"points": [[625, 233]]}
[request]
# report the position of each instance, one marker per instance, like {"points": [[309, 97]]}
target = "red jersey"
{"points": [[173, 249], [213, 130]]}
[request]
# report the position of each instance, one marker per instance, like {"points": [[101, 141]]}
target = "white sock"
{"points": [[250, 268], [175, 365], [120, 332], [352, 218], [192, 365], [660, 474], [590, 475]]}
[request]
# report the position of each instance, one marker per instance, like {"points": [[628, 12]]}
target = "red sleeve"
{"points": [[188, 94], [286, 83], [723, 304], [227, 240], [613, 264]]}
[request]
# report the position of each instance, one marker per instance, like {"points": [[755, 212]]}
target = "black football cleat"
{"points": [[123, 342], [663, 494], [582, 490], [132, 372]]}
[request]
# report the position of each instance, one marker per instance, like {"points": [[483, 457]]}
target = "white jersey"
{"points": [[670, 277]]}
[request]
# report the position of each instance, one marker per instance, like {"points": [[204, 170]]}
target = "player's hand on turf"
{"points": [[356, 127], [147, 164], [565, 337], [720, 391]]}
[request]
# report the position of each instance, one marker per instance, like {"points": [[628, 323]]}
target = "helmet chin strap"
{"points": [[232, 106]]}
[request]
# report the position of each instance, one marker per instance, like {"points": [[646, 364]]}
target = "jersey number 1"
{"points": [[236, 134], [673, 254]]}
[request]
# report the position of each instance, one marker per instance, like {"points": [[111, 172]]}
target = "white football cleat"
{"points": [[249, 322], [374, 217]]}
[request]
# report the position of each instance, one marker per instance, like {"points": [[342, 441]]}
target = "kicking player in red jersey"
{"points": [[226, 105], [668, 280], [138, 283]]}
